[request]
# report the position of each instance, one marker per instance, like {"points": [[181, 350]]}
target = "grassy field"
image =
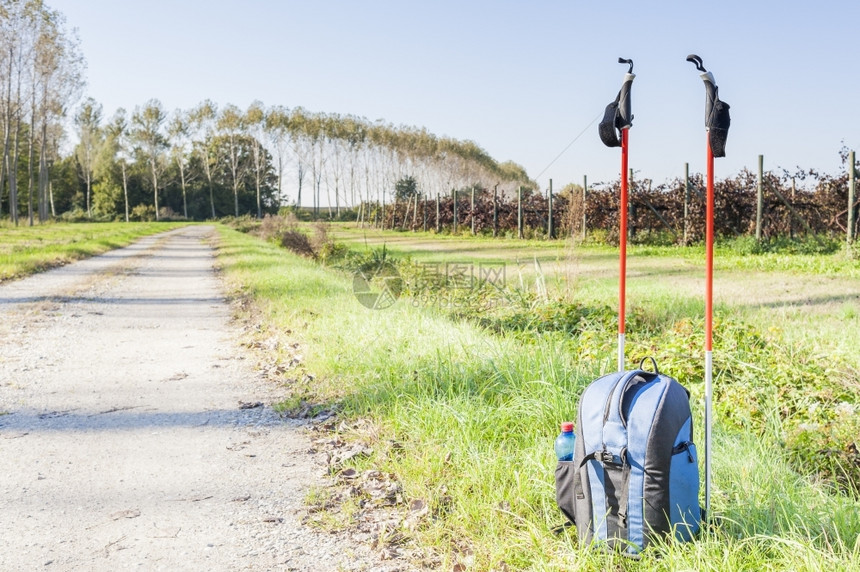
{"points": [[457, 399], [27, 250], [777, 289]]}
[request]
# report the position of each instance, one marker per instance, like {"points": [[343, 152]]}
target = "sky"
{"points": [[524, 80]]}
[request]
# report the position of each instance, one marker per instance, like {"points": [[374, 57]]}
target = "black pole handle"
{"points": [[624, 120], [618, 114], [697, 61], [717, 118]]}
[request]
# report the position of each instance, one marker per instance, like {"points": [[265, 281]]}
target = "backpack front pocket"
{"points": [[685, 515]]}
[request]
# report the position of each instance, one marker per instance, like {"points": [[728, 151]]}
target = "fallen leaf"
{"points": [[348, 474]]}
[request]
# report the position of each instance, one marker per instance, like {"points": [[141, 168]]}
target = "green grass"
{"points": [[464, 414], [28, 250], [801, 256], [780, 288]]}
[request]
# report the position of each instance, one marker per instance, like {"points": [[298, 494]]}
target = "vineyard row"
{"points": [[765, 205]]}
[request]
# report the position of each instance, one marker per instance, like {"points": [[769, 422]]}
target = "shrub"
{"points": [[273, 226], [298, 242], [324, 246], [143, 213], [168, 214], [285, 230], [655, 238], [320, 237], [331, 251], [76, 214], [244, 223]]}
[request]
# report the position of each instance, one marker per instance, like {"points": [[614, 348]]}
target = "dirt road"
{"points": [[123, 439]]}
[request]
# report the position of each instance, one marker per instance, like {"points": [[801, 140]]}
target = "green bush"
{"points": [[273, 226], [142, 213], [244, 223], [597, 236], [167, 214], [76, 214], [745, 245], [655, 238]]}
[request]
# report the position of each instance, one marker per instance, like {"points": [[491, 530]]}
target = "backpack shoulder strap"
{"points": [[615, 421]]}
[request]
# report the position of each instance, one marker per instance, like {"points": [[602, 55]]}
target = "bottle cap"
{"points": [[567, 427]]}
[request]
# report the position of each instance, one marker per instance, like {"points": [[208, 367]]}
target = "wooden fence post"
{"points": [[424, 211], [472, 213], [496, 210], [760, 198], [791, 220], [584, 196], [851, 189], [438, 218], [406, 214], [520, 212], [686, 203], [549, 206], [454, 197]]}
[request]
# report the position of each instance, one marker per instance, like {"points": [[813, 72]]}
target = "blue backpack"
{"points": [[634, 474]]}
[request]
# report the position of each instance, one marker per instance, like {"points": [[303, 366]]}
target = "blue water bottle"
{"points": [[564, 444]]}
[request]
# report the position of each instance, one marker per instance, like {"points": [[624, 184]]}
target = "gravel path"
{"points": [[123, 440]]}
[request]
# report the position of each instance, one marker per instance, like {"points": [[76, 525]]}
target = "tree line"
{"points": [[40, 77], [207, 162]]}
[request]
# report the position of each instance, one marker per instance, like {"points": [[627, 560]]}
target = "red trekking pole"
{"points": [[717, 124], [618, 118]]}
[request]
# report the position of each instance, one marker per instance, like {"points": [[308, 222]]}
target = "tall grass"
{"points": [[465, 415]]}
